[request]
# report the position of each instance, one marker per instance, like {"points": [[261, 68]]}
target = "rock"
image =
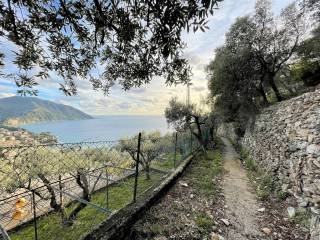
{"points": [[315, 210], [303, 203], [225, 221], [266, 230], [291, 212], [191, 196], [183, 184], [284, 187], [314, 149], [261, 209], [209, 214], [214, 228], [161, 238], [215, 236]]}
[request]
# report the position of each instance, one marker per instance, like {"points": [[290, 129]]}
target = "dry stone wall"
{"points": [[285, 140]]}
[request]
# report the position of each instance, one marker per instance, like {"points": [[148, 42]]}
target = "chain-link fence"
{"points": [[61, 191]]}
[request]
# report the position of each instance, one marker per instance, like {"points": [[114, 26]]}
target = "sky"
{"points": [[153, 98]]}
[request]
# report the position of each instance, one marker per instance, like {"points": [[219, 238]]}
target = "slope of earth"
{"points": [[191, 209]]}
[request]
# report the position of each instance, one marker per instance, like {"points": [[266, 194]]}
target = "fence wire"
{"points": [[62, 191]]}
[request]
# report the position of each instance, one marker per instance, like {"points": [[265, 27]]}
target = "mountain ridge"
{"points": [[18, 110]]}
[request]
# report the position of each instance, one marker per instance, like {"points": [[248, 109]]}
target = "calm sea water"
{"points": [[100, 128]]}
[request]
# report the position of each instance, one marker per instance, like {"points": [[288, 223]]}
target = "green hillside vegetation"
{"points": [[22, 110]]}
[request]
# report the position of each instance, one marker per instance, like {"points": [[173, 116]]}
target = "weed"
{"points": [[204, 221], [202, 175], [156, 229], [303, 217], [281, 195], [250, 164]]}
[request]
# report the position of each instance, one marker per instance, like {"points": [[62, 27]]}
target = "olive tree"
{"points": [[42, 165], [268, 42], [151, 147], [182, 117], [274, 41], [125, 42]]}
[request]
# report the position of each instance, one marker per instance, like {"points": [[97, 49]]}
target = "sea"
{"points": [[100, 128]]}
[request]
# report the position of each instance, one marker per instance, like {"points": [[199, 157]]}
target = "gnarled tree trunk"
{"points": [[270, 78]]}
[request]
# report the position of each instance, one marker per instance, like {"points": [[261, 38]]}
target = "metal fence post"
{"points": [[34, 215], [137, 169], [107, 188], [191, 150], [175, 150], [4, 233], [60, 192]]}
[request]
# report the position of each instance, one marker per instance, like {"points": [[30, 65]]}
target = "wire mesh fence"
{"points": [[61, 191]]}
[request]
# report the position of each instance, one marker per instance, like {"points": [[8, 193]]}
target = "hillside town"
{"points": [[10, 136]]}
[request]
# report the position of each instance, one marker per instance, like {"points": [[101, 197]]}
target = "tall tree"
{"points": [[132, 41], [274, 40], [234, 86]]}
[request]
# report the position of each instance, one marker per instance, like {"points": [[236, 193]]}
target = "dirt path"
{"points": [[242, 207]]}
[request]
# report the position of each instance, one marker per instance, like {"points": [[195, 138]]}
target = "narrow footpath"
{"points": [[214, 200], [241, 205]]}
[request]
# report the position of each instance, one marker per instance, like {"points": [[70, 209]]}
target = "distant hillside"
{"points": [[22, 110]]}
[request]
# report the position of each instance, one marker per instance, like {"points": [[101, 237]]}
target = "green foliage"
{"points": [[201, 176], [301, 69], [250, 164], [152, 146], [303, 217], [281, 195], [156, 228], [243, 77], [133, 41], [190, 117], [266, 185], [204, 222]]}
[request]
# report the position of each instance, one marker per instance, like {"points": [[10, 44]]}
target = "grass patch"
{"points": [[50, 228], [281, 195], [201, 174], [167, 163], [265, 185], [302, 217], [156, 229], [204, 222]]}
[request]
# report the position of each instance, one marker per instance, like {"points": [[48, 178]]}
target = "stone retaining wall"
{"points": [[285, 140]]}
